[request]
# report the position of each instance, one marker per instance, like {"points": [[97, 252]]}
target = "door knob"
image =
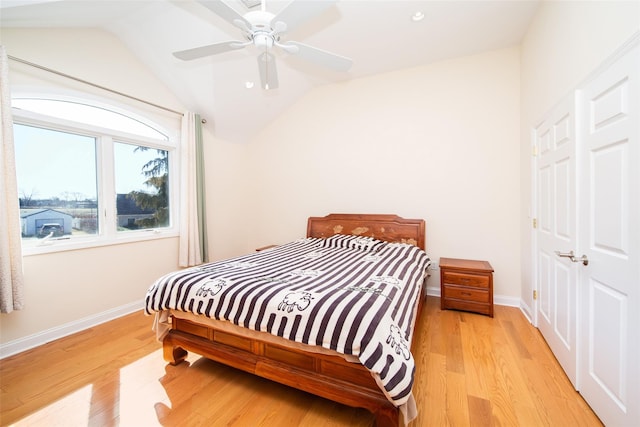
{"points": [[572, 257]]}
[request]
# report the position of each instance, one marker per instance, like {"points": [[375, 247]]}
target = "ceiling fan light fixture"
{"points": [[418, 16], [264, 30], [263, 40]]}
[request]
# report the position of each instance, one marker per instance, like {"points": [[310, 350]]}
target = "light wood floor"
{"points": [[471, 371]]}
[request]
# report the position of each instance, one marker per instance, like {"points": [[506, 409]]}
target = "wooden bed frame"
{"points": [[323, 375]]}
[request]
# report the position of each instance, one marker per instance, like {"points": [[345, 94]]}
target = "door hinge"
{"points": [[534, 150], [535, 294], [535, 222]]}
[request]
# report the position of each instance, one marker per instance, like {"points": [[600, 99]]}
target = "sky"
{"points": [[58, 164]]}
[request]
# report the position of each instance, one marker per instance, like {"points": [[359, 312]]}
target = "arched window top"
{"points": [[94, 115]]}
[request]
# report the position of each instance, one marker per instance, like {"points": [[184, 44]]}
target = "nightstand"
{"points": [[466, 285], [265, 248]]}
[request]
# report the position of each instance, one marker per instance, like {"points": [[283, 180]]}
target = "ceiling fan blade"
{"points": [[212, 49], [297, 12], [226, 12], [268, 71], [319, 56]]}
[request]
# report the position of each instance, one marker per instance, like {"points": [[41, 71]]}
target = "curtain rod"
{"points": [[41, 67]]}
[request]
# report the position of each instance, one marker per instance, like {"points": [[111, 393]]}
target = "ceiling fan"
{"points": [[264, 30]]}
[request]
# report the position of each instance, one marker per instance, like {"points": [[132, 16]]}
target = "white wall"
{"points": [[77, 287], [566, 41], [228, 202], [71, 289], [439, 142]]}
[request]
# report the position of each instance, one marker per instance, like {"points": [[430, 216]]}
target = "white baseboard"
{"points": [[497, 299], [505, 300], [527, 311], [22, 344]]}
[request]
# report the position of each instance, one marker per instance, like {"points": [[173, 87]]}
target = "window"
{"points": [[141, 178], [90, 175]]}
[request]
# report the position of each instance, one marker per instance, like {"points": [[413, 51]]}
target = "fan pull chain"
{"points": [[266, 65]]}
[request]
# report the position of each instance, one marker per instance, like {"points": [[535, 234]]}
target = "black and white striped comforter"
{"points": [[354, 295]]}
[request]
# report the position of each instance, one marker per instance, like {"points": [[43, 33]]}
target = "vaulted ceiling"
{"points": [[378, 35]]}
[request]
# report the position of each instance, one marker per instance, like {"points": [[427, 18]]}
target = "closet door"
{"points": [[556, 233], [609, 234]]}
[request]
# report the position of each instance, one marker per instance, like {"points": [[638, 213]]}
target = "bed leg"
{"points": [[173, 353], [387, 417]]}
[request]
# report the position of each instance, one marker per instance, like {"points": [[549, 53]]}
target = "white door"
{"points": [[556, 231], [609, 286]]}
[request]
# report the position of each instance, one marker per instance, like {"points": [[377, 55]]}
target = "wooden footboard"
{"points": [[330, 377]]}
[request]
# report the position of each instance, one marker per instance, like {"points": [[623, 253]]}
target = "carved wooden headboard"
{"points": [[390, 228]]}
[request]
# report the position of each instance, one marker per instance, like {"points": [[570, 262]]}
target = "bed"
{"points": [[288, 325]]}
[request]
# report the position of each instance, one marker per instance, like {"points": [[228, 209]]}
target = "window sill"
{"points": [[79, 243]]}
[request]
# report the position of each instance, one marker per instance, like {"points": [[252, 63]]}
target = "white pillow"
{"points": [[361, 243]]}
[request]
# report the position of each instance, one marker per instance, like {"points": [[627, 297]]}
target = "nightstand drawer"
{"points": [[466, 279], [467, 294], [475, 307]]}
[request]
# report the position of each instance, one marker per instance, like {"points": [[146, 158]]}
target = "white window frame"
{"points": [[107, 216]]}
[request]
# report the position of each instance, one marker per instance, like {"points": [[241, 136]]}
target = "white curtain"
{"points": [[193, 226], [11, 277]]}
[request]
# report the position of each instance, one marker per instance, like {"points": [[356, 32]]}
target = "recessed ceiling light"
{"points": [[248, 85], [418, 16]]}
